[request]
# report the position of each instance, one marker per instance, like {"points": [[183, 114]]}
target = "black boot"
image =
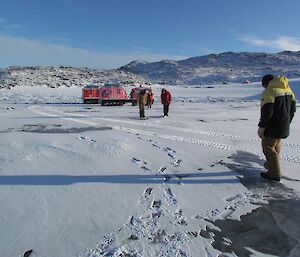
{"points": [[266, 175]]}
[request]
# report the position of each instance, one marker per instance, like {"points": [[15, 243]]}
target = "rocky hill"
{"points": [[62, 76], [213, 68], [216, 68]]}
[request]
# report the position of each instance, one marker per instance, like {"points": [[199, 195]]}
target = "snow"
{"points": [[85, 180]]}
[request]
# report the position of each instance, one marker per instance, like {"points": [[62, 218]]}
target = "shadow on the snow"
{"points": [[261, 230], [272, 228], [148, 117], [188, 178], [243, 164]]}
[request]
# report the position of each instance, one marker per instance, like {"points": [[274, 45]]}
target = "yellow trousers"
{"points": [[271, 149]]}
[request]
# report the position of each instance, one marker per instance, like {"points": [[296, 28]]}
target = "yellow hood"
{"points": [[277, 87], [279, 82]]}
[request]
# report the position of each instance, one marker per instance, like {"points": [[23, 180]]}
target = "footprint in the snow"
{"points": [[192, 233], [208, 214], [229, 210], [138, 161], [156, 213], [156, 236], [171, 155], [214, 212], [145, 168], [232, 198], [105, 244], [162, 169], [181, 253], [82, 137], [176, 163], [156, 145], [156, 204], [146, 195], [125, 252], [239, 200], [171, 199], [89, 140], [179, 219], [142, 164], [170, 152]]}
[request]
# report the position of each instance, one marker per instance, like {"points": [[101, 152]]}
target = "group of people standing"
{"points": [[146, 99]]}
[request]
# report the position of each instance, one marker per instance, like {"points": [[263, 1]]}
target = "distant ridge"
{"points": [[215, 68], [209, 69]]}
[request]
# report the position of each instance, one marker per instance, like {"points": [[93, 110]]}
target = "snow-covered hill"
{"points": [[210, 69], [218, 68]]}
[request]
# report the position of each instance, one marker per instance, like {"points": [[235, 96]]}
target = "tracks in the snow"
{"points": [[158, 226], [200, 132], [205, 143], [147, 232], [169, 153]]}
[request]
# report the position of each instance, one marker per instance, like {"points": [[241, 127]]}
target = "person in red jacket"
{"points": [[166, 99], [150, 99]]}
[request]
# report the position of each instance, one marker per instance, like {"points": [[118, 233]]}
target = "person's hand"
{"points": [[261, 132]]}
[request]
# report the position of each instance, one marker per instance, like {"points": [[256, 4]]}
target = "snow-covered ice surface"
{"points": [[91, 181]]}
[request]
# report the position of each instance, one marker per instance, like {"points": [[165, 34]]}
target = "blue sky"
{"points": [[111, 33]]}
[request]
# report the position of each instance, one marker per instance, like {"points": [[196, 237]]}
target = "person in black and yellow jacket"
{"points": [[278, 105]]}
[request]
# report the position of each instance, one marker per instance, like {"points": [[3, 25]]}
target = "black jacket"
{"points": [[278, 105]]}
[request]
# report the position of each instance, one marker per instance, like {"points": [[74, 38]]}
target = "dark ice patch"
{"points": [[234, 119], [225, 120], [58, 129]]}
